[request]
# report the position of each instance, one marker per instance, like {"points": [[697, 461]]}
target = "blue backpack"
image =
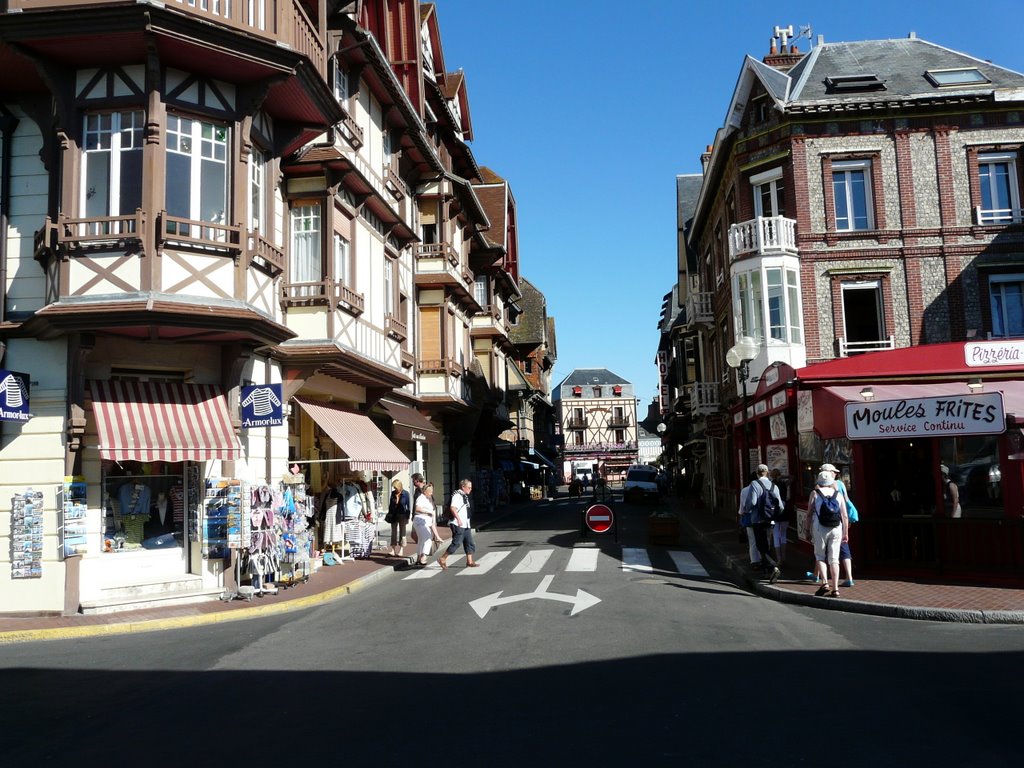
{"points": [[829, 513], [766, 508]]}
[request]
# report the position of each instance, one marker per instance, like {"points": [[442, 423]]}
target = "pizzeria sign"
{"points": [[941, 416]]}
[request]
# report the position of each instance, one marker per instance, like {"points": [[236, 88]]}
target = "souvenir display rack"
{"points": [[73, 510], [27, 535], [295, 534], [222, 521]]}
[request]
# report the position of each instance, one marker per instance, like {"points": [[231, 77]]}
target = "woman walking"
{"points": [[423, 524], [398, 516]]}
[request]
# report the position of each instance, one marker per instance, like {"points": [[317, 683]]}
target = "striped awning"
{"points": [[362, 442], [162, 421]]}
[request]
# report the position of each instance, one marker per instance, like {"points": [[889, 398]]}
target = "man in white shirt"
{"points": [[458, 521]]}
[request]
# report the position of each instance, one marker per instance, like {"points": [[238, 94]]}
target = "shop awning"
{"points": [[410, 424], [363, 444], [162, 421], [542, 459], [830, 402]]}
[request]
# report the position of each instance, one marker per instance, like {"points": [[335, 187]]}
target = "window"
{"points": [[257, 190], [342, 261], [620, 436], [769, 298], [389, 287], [197, 170], [853, 83], [863, 321], [342, 90], [528, 365], [946, 77], [480, 290], [1006, 297], [112, 172], [306, 264], [768, 189], [751, 303], [597, 391], [1000, 200], [851, 189], [577, 438]]}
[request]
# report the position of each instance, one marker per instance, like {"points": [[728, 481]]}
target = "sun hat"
{"points": [[825, 479], [828, 468]]}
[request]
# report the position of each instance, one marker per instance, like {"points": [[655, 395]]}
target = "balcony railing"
{"points": [[699, 307], [329, 292], [603, 447], [446, 366], [619, 421], [577, 422], [396, 328], [704, 397], [998, 215], [765, 234], [201, 235], [847, 348], [265, 255], [438, 251], [394, 183]]}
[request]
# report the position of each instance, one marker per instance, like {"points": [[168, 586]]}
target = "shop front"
{"points": [[891, 422]]}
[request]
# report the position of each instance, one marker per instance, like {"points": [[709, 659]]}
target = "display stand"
{"points": [[27, 535], [221, 526], [295, 539], [73, 511]]}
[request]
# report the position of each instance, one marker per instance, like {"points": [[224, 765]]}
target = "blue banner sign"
{"points": [[13, 396], [262, 406]]}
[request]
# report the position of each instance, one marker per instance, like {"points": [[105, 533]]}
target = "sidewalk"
{"points": [[892, 597], [896, 598]]}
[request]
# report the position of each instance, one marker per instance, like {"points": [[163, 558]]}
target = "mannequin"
{"points": [[161, 507]]}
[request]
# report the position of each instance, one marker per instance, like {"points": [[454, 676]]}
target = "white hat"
{"points": [[828, 468], [825, 479], [943, 469]]}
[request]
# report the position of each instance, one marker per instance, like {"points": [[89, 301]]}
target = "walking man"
{"points": [[459, 523], [758, 488]]}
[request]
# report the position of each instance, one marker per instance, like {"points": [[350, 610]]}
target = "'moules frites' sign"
{"points": [[981, 414]]}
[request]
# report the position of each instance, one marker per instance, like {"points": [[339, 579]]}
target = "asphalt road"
{"points": [[551, 653]]}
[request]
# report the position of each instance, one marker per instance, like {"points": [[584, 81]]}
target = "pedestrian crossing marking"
{"points": [[535, 561], [583, 561], [486, 562], [432, 569], [686, 563]]}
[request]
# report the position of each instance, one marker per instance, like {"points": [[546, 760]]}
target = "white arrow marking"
{"points": [[580, 602]]}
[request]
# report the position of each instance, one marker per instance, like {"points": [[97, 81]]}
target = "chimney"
{"points": [[785, 56], [705, 158]]}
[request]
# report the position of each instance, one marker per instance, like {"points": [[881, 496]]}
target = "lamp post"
{"points": [[739, 357]]}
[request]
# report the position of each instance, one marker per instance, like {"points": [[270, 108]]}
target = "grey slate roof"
{"points": [[901, 64], [687, 192], [583, 376]]}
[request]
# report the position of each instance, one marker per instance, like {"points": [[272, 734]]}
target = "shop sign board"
{"points": [[983, 354], [262, 406], [14, 396], [981, 414]]}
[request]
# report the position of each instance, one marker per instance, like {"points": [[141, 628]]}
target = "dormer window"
{"points": [[617, 390], [944, 78], [853, 83], [597, 391], [577, 391]]}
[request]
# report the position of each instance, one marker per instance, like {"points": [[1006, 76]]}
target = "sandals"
{"points": [[821, 591], [834, 593]]}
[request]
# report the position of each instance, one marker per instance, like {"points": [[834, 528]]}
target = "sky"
{"points": [[591, 108]]}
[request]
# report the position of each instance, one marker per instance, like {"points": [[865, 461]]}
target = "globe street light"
{"points": [[739, 357]]}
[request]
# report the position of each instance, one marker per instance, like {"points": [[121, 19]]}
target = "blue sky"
{"points": [[590, 108]]}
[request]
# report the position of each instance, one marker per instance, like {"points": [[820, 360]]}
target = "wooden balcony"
{"points": [[395, 328], [704, 398], [700, 308], [439, 264], [394, 184], [763, 235], [577, 422], [328, 292], [199, 235], [446, 366], [279, 22], [265, 255], [619, 422], [489, 322]]}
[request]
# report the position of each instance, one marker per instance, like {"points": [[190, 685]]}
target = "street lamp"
{"points": [[739, 357]]}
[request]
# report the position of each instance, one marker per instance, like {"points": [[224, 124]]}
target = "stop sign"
{"points": [[599, 518]]}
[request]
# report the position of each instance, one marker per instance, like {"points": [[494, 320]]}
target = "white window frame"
{"points": [[389, 287], [258, 191], [772, 179], [846, 168], [106, 134], [752, 304], [198, 140], [342, 260], [995, 285], [999, 215], [305, 263], [481, 290]]}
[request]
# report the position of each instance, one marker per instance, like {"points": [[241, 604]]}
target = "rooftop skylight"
{"points": [[853, 83], [966, 76]]}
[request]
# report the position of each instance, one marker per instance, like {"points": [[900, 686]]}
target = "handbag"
{"points": [[389, 518]]}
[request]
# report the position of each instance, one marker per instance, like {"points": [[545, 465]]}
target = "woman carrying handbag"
{"points": [[398, 517]]}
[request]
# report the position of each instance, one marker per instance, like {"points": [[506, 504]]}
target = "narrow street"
{"points": [[588, 652]]}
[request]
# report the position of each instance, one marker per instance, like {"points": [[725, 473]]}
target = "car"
{"points": [[641, 483]]}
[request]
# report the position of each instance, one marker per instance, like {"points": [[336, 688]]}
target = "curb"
{"points": [[198, 620], [917, 613]]}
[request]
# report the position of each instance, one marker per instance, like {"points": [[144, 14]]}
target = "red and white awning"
{"points": [[162, 421], [362, 442]]}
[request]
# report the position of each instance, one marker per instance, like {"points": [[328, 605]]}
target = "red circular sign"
{"points": [[599, 518]]}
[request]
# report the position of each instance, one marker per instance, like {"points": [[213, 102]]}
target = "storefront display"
{"points": [[73, 540], [27, 535], [144, 506], [221, 524]]}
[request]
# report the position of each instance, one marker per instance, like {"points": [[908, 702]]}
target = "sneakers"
{"points": [[813, 577], [848, 583], [774, 576]]}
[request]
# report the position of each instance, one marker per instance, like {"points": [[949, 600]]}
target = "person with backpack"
{"points": [[845, 555], [458, 518], [827, 526], [764, 503]]}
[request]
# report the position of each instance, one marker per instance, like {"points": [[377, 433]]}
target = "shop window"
{"points": [[144, 506], [973, 462], [112, 167], [1006, 300], [851, 190], [197, 172]]}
